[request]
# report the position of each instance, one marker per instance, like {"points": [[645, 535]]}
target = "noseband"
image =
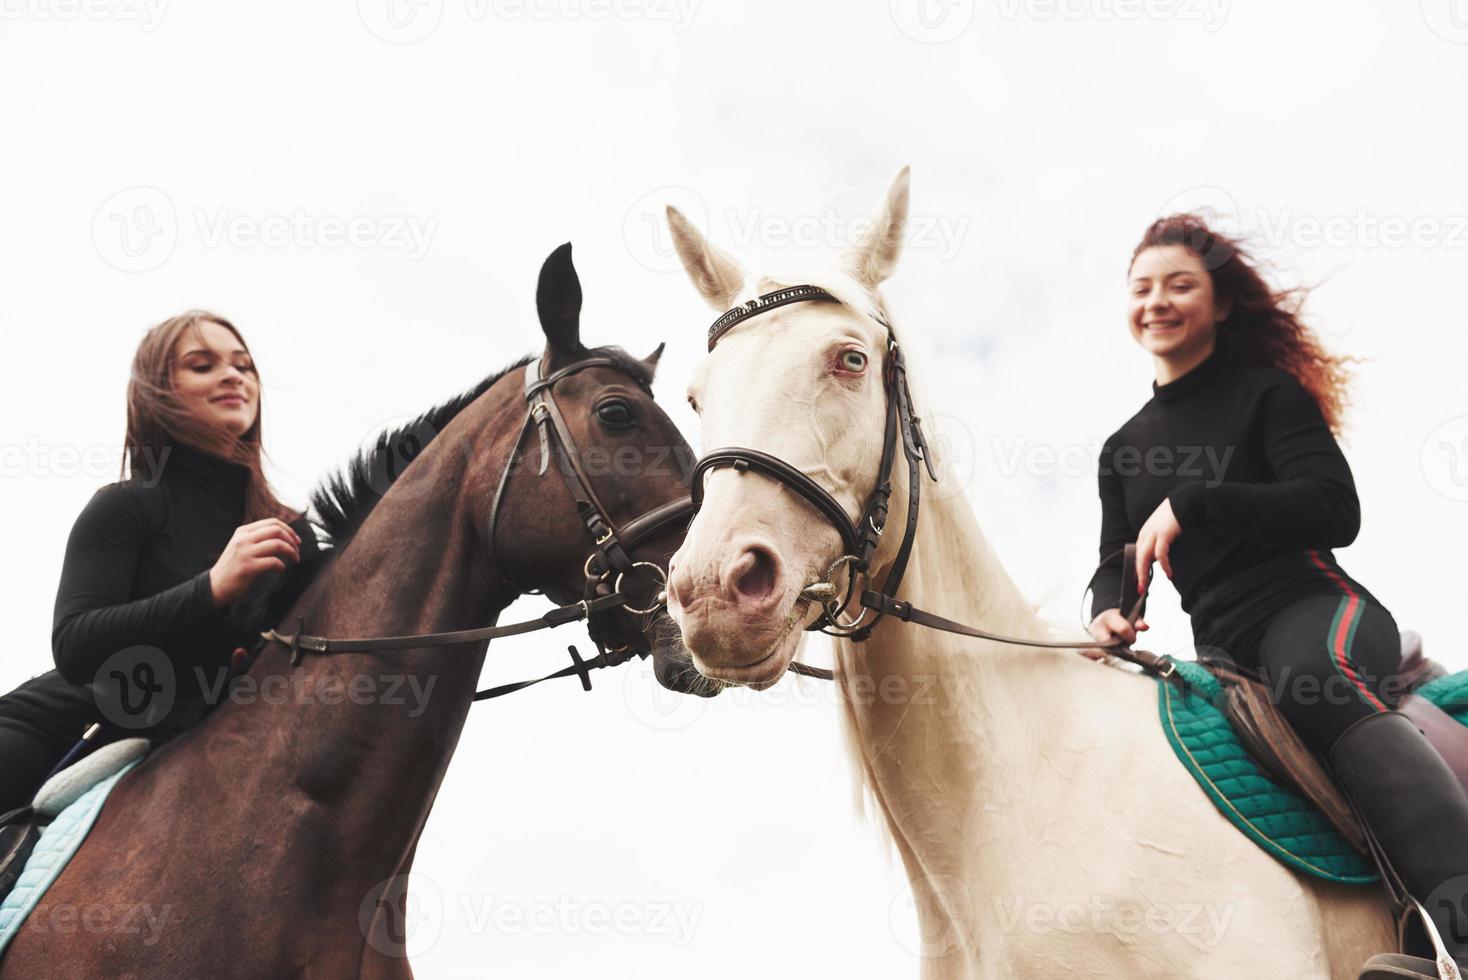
{"points": [[860, 538], [608, 568]]}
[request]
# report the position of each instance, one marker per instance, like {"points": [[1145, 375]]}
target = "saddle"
{"points": [[22, 828], [1272, 741], [1274, 744]]}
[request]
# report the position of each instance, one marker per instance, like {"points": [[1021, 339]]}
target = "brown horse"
{"points": [[274, 839]]}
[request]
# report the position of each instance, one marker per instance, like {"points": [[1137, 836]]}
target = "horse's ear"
{"points": [[651, 360], [558, 298], [715, 273], [873, 256]]}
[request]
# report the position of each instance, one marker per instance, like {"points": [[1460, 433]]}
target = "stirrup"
{"points": [[1400, 966]]}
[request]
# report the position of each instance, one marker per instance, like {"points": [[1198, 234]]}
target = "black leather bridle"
{"points": [[609, 569], [860, 537]]}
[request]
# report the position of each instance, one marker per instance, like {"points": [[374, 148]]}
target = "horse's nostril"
{"points": [[756, 576]]}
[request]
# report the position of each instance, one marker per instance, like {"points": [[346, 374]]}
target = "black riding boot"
{"points": [[1419, 813]]}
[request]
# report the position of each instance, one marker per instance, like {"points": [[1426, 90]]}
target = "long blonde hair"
{"points": [[156, 419]]}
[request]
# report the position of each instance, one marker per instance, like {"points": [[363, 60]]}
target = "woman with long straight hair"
{"points": [[1230, 479], [169, 572]]}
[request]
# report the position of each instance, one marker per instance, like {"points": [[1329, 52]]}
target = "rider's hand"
{"points": [[255, 549], [1155, 540], [1110, 624]]}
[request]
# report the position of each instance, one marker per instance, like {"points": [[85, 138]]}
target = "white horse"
{"points": [[1045, 824]]}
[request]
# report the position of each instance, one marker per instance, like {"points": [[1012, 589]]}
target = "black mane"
{"points": [[343, 499]]}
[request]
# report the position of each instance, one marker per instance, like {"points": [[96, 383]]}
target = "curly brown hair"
{"points": [[1263, 325]]}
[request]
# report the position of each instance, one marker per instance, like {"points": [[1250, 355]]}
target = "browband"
{"points": [[763, 304]]}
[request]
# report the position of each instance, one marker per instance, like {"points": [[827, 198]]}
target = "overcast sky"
{"points": [[368, 191]]}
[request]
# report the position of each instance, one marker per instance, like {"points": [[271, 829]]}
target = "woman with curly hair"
{"points": [[1230, 479], [185, 560]]}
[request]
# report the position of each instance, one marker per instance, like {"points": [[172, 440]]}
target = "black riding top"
{"points": [[1257, 483], [137, 572]]}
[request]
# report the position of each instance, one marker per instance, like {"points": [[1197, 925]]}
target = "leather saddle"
{"points": [[1275, 745]]}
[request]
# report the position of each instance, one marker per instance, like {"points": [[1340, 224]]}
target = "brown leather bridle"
{"points": [[860, 537], [609, 568]]}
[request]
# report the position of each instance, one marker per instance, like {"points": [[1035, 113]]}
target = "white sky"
{"points": [[148, 147]]}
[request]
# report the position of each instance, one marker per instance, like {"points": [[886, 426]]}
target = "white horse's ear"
{"points": [[873, 256], [715, 273]]}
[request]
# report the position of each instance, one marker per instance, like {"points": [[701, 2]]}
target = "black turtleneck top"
{"points": [[137, 571], [1254, 475]]}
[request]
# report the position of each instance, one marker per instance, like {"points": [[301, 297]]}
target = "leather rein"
{"points": [[608, 568], [861, 537]]}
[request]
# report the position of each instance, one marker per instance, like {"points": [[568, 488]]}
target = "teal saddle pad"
{"points": [[1281, 821], [59, 840]]}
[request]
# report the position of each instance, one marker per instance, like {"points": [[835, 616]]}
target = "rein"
{"points": [[861, 537], [607, 568]]}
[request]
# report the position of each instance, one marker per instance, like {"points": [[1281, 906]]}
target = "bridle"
{"points": [[608, 569], [860, 537]]}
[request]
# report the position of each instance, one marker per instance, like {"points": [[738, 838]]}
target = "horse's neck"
{"points": [[366, 738], [973, 717]]}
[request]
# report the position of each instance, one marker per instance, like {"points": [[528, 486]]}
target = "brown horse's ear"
{"points": [[558, 299], [651, 360]]}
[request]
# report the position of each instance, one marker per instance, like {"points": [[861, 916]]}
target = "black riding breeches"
{"points": [[39, 721], [1329, 661]]}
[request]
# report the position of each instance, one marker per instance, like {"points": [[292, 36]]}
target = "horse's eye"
{"points": [[615, 413], [852, 361]]}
